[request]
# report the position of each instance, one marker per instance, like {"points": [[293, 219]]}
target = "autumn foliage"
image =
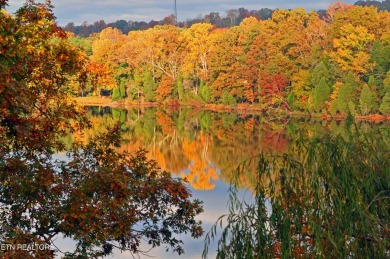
{"points": [[100, 197], [268, 63]]}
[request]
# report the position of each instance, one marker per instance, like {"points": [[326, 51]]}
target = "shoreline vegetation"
{"points": [[313, 201], [241, 108], [295, 62]]}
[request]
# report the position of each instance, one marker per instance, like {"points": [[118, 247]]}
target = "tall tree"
{"points": [[321, 94], [97, 196], [319, 72], [367, 100], [346, 98], [350, 49], [199, 42], [385, 104]]}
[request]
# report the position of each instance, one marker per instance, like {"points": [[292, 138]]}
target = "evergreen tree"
{"points": [[232, 100], [122, 89], [372, 83], [180, 88], [225, 97], [380, 55], [205, 92], [228, 99], [347, 94], [116, 95], [291, 100], [385, 105], [321, 94], [333, 107], [367, 100], [149, 87], [386, 85], [134, 92], [319, 72]]}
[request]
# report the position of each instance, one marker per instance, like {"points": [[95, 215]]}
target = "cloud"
{"points": [[79, 11]]}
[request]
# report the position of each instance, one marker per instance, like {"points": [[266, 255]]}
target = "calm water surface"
{"points": [[206, 148]]}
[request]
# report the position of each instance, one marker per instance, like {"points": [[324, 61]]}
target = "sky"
{"points": [[79, 11]]}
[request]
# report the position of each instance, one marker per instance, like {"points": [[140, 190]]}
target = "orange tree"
{"points": [[97, 196]]}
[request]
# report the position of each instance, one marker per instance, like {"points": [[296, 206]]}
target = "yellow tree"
{"points": [[295, 34], [105, 57], [138, 50], [350, 50], [384, 26], [159, 48], [199, 42], [105, 46], [157, 53]]}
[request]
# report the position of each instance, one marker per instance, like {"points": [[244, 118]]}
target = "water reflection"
{"points": [[205, 146], [326, 197]]}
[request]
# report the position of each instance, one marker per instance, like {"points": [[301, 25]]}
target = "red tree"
{"points": [[272, 89]]}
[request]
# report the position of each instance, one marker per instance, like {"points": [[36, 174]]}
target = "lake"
{"points": [[206, 148]]}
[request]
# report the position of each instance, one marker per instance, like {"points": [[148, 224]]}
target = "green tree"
{"points": [[380, 55], [371, 83], [225, 97], [122, 89], [321, 94], [333, 108], [320, 72], [205, 92], [386, 85], [385, 104], [367, 100], [149, 87], [180, 88], [347, 95], [291, 100], [116, 94], [83, 43]]}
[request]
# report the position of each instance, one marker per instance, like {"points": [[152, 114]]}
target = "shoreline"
{"points": [[239, 108]]}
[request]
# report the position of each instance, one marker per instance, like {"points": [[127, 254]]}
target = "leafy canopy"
{"points": [[97, 196]]}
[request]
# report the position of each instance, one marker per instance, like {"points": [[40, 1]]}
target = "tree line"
{"points": [[294, 61], [232, 17]]}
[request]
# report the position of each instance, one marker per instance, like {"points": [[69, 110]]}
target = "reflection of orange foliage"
{"points": [[159, 157], [249, 124], [165, 122], [177, 162], [201, 170], [274, 140]]}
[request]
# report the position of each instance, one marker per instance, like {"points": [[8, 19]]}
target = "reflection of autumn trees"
{"points": [[201, 170], [198, 145], [241, 141], [313, 200], [206, 146]]}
